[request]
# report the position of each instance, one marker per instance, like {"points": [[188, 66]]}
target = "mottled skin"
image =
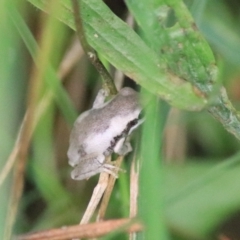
{"points": [[102, 130]]}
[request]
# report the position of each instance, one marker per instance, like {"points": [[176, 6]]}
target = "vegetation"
{"points": [[183, 56]]}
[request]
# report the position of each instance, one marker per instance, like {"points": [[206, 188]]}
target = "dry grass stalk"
{"points": [[134, 188], [108, 192], [96, 197], [84, 231]]}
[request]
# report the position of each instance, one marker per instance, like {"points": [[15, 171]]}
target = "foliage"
{"points": [[170, 55]]}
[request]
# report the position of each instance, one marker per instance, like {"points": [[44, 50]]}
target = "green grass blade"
{"points": [[11, 88], [151, 182], [51, 79], [44, 169], [171, 31]]}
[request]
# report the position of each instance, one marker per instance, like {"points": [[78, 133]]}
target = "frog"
{"points": [[102, 130]]}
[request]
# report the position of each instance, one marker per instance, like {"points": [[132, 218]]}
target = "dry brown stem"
{"points": [[134, 189], [84, 231], [96, 197], [108, 192]]}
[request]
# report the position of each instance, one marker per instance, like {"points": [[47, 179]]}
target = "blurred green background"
{"points": [[192, 193]]}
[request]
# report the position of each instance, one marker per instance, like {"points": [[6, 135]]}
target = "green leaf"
{"points": [[124, 49], [171, 31], [11, 88], [151, 175]]}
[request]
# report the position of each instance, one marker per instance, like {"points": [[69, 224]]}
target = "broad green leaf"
{"points": [[171, 31], [124, 49]]}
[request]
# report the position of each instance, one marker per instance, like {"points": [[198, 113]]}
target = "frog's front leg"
{"points": [[100, 98], [123, 146]]}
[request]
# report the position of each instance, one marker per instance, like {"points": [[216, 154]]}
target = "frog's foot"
{"points": [[109, 167]]}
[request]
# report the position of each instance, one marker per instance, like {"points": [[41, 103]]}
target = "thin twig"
{"points": [[70, 59], [108, 83], [108, 192], [134, 187], [19, 154], [134, 190], [96, 197], [118, 79], [119, 75], [84, 231], [104, 186]]}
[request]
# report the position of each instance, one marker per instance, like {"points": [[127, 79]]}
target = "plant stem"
{"points": [[108, 83]]}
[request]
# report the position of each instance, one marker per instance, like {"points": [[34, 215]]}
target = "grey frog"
{"points": [[102, 130]]}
